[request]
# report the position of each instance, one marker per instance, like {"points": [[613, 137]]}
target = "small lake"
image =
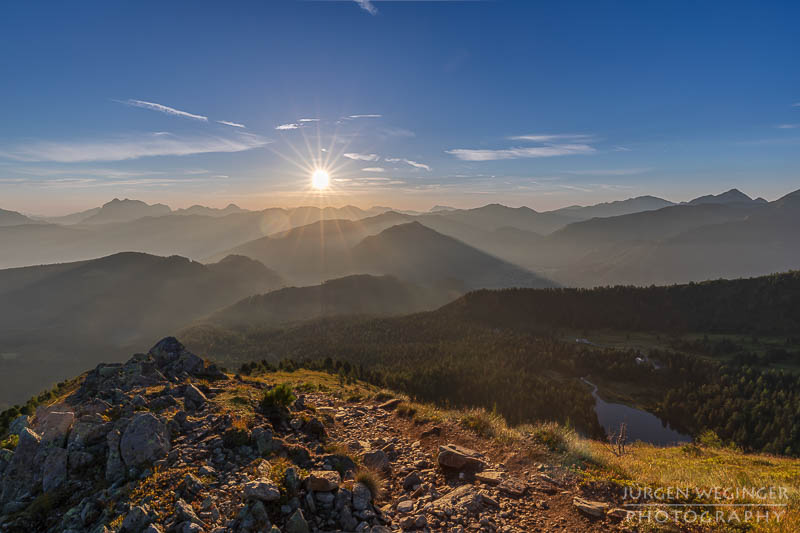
{"points": [[641, 425]]}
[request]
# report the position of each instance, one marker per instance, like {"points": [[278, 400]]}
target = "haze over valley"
{"points": [[185, 265]]}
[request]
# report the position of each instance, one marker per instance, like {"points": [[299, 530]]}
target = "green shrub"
{"points": [[10, 442], [276, 401], [279, 396], [709, 439]]}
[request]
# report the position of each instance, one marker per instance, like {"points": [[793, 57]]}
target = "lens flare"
{"points": [[320, 180]]}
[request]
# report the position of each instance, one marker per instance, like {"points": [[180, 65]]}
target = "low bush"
{"points": [[276, 401], [372, 480]]}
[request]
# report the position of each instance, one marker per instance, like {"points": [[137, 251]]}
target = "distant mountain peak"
{"points": [[732, 196], [615, 208], [126, 210], [12, 218]]}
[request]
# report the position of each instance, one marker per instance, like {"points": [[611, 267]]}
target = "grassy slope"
{"points": [[592, 461], [642, 465]]}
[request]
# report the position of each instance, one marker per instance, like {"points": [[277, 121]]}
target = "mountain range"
{"points": [[361, 294], [384, 244], [57, 319], [640, 240], [105, 284], [12, 218]]}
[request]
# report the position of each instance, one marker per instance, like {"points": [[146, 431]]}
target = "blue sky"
{"points": [[535, 103]]}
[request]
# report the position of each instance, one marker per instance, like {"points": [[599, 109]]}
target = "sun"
{"points": [[320, 180]]}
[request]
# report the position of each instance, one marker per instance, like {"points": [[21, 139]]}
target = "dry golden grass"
{"points": [[642, 466], [701, 469], [371, 479], [158, 489]]}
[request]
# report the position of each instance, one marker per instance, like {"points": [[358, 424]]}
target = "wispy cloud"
{"points": [[610, 172], [520, 153], [365, 116], [787, 126], [408, 162], [373, 169], [234, 124], [361, 157], [164, 109], [575, 188], [130, 147], [367, 6], [796, 104], [308, 120], [287, 127], [396, 132], [559, 137]]}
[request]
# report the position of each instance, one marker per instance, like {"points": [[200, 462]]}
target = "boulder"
{"points": [[259, 511], [459, 458], [512, 487], [191, 484], [323, 480], [185, 513], [405, 506], [79, 461], [264, 491], [411, 480], [344, 499], [296, 523], [316, 429], [346, 519], [54, 427], [144, 441], [115, 467], [138, 518], [376, 460], [23, 473], [193, 397], [54, 470], [87, 431], [361, 497], [173, 359], [18, 424], [465, 498], [390, 405], [590, 508], [262, 438], [325, 499], [94, 406], [339, 462], [490, 477]]}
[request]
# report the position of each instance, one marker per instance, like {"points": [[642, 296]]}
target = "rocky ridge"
{"points": [[155, 445]]}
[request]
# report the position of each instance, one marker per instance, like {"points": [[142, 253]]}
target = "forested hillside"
{"points": [[505, 350], [765, 305]]}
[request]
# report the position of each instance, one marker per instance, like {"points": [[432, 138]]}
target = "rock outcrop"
{"points": [[166, 443]]}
